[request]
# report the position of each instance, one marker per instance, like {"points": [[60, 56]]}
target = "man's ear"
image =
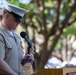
{"points": [[7, 15]]}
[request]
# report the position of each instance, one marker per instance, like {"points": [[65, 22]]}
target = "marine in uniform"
{"points": [[11, 50]]}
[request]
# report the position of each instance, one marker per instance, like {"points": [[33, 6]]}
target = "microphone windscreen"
{"points": [[23, 34]]}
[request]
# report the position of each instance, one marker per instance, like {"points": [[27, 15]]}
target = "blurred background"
{"points": [[51, 26]]}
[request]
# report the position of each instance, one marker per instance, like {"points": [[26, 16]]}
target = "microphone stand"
{"points": [[29, 47], [33, 63], [25, 36]]}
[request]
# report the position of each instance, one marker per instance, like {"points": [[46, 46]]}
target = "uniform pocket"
{"points": [[8, 46]]}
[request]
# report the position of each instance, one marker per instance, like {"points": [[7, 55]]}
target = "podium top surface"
{"points": [[56, 71]]}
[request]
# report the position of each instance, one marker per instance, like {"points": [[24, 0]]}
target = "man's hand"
{"points": [[28, 58]]}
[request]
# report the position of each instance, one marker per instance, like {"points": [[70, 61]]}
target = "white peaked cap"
{"points": [[15, 9]]}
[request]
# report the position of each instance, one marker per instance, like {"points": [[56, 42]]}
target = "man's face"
{"points": [[12, 22]]}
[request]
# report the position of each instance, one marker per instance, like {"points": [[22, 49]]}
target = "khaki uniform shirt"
{"points": [[11, 49]]}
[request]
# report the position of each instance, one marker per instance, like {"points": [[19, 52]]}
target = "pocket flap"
{"points": [[8, 45]]}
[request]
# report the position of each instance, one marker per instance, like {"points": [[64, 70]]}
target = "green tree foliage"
{"points": [[48, 19]]}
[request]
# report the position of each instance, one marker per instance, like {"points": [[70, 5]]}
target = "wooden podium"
{"points": [[57, 71]]}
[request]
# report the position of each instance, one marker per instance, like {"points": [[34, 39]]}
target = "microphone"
{"points": [[25, 36]]}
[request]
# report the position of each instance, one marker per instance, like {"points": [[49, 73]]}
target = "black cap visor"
{"points": [[17, 17]]}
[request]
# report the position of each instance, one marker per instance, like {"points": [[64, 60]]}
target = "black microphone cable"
{"points": [[39, 57]]}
